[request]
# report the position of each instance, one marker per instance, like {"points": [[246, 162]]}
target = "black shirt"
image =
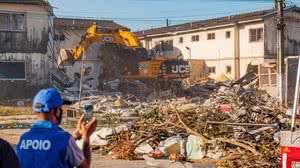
{"points": [[8, 157]]}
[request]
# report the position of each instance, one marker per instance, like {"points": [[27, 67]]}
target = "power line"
{"points": [[172, 17], [155, 19]]}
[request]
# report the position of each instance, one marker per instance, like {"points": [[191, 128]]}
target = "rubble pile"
{"points": [[232, 124]]}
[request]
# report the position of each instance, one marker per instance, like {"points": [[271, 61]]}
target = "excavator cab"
{"points": [[164, 68]]}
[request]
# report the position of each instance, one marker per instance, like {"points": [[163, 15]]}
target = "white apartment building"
{"points": [[227, 44]]}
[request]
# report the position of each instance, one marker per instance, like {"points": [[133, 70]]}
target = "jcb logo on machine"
{"points": [[108, 39], [180, 69]]}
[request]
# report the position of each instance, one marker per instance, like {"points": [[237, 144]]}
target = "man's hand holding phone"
{"points": [[84, 130]]}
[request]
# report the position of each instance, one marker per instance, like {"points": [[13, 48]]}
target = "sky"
{"points": [[146, 14]]}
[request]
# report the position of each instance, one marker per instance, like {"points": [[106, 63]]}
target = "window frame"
{"points": [[16, 79], [169, 45], [164, 45], [180, 40], [157, 45], [256, 35], [226, 34], [226, 70], [211, 36], [195, 38], [214, 70], [10, 26]]}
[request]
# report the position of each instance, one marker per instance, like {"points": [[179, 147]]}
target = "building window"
{"points": [[228, 69], [195, 38], [256, 34], [12, 22], [211, 36], [164, 45], [147, 44], [181, 40], [12, 70], [212, 70], [157, 46], [228, 34], [169, 45]]}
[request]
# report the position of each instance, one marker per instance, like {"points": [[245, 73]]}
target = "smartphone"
{"points": [[88, 112]]}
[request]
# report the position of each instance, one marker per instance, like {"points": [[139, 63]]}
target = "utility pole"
{"points": [[81, 78], [280, 52]]}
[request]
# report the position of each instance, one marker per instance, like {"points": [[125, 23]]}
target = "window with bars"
{"points": [[12, 21], [195, 38], [256, 35], [211, 36]]}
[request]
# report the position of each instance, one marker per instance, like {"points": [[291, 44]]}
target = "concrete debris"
{"points": [[170, 145], [122, 128], [143, 149], [105, 132], [194, 148], [230, 123], [215, 150], [96, 140]]}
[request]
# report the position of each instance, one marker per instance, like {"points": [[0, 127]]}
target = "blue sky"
{"points": [[145, 14]]}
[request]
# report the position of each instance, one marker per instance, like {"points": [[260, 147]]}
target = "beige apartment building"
{"points": [[227, 44]]}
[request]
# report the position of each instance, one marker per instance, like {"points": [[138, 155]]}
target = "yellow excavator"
{"points": [[145, 67]]}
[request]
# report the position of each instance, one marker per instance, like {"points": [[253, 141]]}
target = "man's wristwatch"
{"points": [[77, 134]]}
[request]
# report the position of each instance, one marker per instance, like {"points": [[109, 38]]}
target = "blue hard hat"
{"points": [[47, 99]]}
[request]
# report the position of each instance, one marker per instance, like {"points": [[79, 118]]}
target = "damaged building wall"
{"points": [[292, 46], [102, 62], [93, 55], [68, 39], [26, 44], [32, 37], [92, 64], [292, 35]]}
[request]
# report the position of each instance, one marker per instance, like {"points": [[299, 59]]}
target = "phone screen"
{"points": [[88, 113], [88, 116]]}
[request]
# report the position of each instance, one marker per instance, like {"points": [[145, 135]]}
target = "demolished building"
{"points": [[68, 34]]}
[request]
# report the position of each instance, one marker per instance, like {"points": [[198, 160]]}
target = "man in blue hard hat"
{"points": [[47, 145]]}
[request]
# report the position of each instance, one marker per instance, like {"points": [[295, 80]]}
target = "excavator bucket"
{"points": [[65, 57]]}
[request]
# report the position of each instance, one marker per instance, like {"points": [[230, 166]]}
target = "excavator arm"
{"points": [[91, 36]]}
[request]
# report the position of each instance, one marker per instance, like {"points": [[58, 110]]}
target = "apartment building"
{"points": [[227, 44]]}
